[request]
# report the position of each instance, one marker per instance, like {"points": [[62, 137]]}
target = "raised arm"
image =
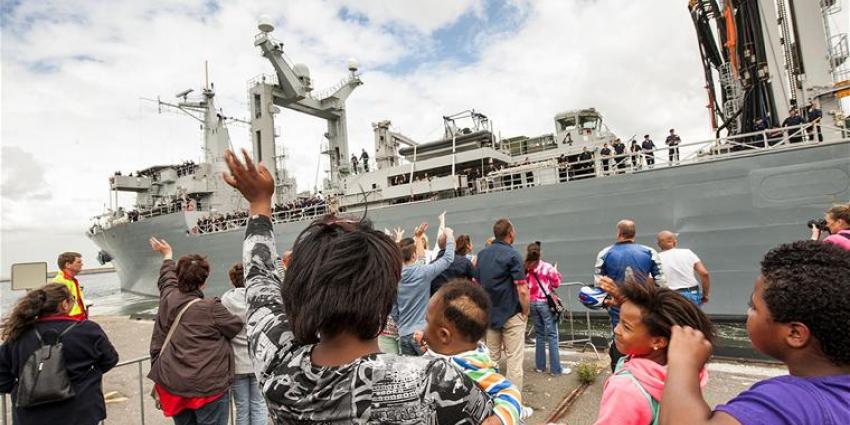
{"points": [[437, 267], [554, 276], [418, 234], [267, 327], [167, 272], [682, 402]]}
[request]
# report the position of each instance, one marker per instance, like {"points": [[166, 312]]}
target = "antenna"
{"points": [[206, 77], [183, 94]]}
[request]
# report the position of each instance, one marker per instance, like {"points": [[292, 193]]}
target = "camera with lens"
{"points": [[818, 223]]}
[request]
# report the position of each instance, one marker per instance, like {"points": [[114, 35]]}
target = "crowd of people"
{"points": [[185, 168], [308, 340], [289, 211]]}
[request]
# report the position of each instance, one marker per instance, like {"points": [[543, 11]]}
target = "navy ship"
{"points": [[730, 198]]}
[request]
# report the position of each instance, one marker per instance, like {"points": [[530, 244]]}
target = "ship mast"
{"points": [[203, 109], [291, 88]]}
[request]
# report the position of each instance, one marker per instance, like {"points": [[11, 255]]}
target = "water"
{"points": [[101, 289]]}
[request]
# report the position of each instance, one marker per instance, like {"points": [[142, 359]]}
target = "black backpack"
{"points": [[44, 379]]}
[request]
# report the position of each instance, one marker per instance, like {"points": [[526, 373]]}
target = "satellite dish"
{"points": [[265, 24], [352, 64]]}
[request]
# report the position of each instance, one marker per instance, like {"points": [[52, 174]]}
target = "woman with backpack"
{"points": [[543, 279], [38, 327], [192, 361]]}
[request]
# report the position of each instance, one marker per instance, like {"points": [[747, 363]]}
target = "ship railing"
{"points": [[262, 79], [301, 214], [161, 210], [285, 216], [109, 220], [141, 391], [552, 172]]}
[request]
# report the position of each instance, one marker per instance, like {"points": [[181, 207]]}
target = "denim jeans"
{"points": [[408, 346], [250, 405], [213, 413], [695, 295], [545, 330]]}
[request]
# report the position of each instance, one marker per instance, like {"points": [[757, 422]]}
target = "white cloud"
{"points": [[23, 176], [637, 62]]}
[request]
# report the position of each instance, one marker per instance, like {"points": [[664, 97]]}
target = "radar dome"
{"points": [[352, 64], [264, 23], [301, 70]]}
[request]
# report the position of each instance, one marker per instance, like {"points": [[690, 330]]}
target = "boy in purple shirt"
{"points": [[798, 314]]}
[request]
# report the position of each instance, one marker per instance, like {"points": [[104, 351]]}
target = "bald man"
{"points": [[681, 267], [616, 263]]}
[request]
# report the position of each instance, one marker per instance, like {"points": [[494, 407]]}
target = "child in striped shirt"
{"points": [[457, 318]]}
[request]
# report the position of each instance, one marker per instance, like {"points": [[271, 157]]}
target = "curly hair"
{"points": [[809, 282], [466, 306], [661, 308], [34, 304], [342, 277]]}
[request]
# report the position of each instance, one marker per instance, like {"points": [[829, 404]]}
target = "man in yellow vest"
{"points": [[70, 265]]}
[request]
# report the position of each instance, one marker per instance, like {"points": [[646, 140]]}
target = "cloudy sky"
{"points": [[74, 73]]}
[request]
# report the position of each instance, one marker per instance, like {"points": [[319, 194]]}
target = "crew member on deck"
{"points": [[364, 158], [794, 119], [353, 164]]}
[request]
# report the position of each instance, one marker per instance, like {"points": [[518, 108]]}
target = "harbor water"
{"points": [[101, 290]]}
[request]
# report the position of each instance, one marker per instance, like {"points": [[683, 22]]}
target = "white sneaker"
{"points": [[526, 412]]}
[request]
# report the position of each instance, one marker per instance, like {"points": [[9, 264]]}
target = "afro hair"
{"points": [[809, 282]]}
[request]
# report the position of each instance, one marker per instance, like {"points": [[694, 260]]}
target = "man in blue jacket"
{"points": [[625, 259], [501, 271]]}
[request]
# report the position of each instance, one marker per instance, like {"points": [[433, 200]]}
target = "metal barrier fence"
{"points": [[584, 341], [139, 362]]}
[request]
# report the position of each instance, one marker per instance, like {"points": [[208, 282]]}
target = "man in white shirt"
{"points": [[680, 266]]}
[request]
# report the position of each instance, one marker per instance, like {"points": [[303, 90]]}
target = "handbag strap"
{"points": [[540, 284], [175, 324]]}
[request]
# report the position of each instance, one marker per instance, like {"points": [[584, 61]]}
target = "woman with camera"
{"points": [[836, 222]]}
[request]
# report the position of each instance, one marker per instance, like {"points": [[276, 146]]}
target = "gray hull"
{"points": [[729, 211]]}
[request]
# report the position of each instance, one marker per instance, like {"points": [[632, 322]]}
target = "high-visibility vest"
{"points": [[78, 311]]}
